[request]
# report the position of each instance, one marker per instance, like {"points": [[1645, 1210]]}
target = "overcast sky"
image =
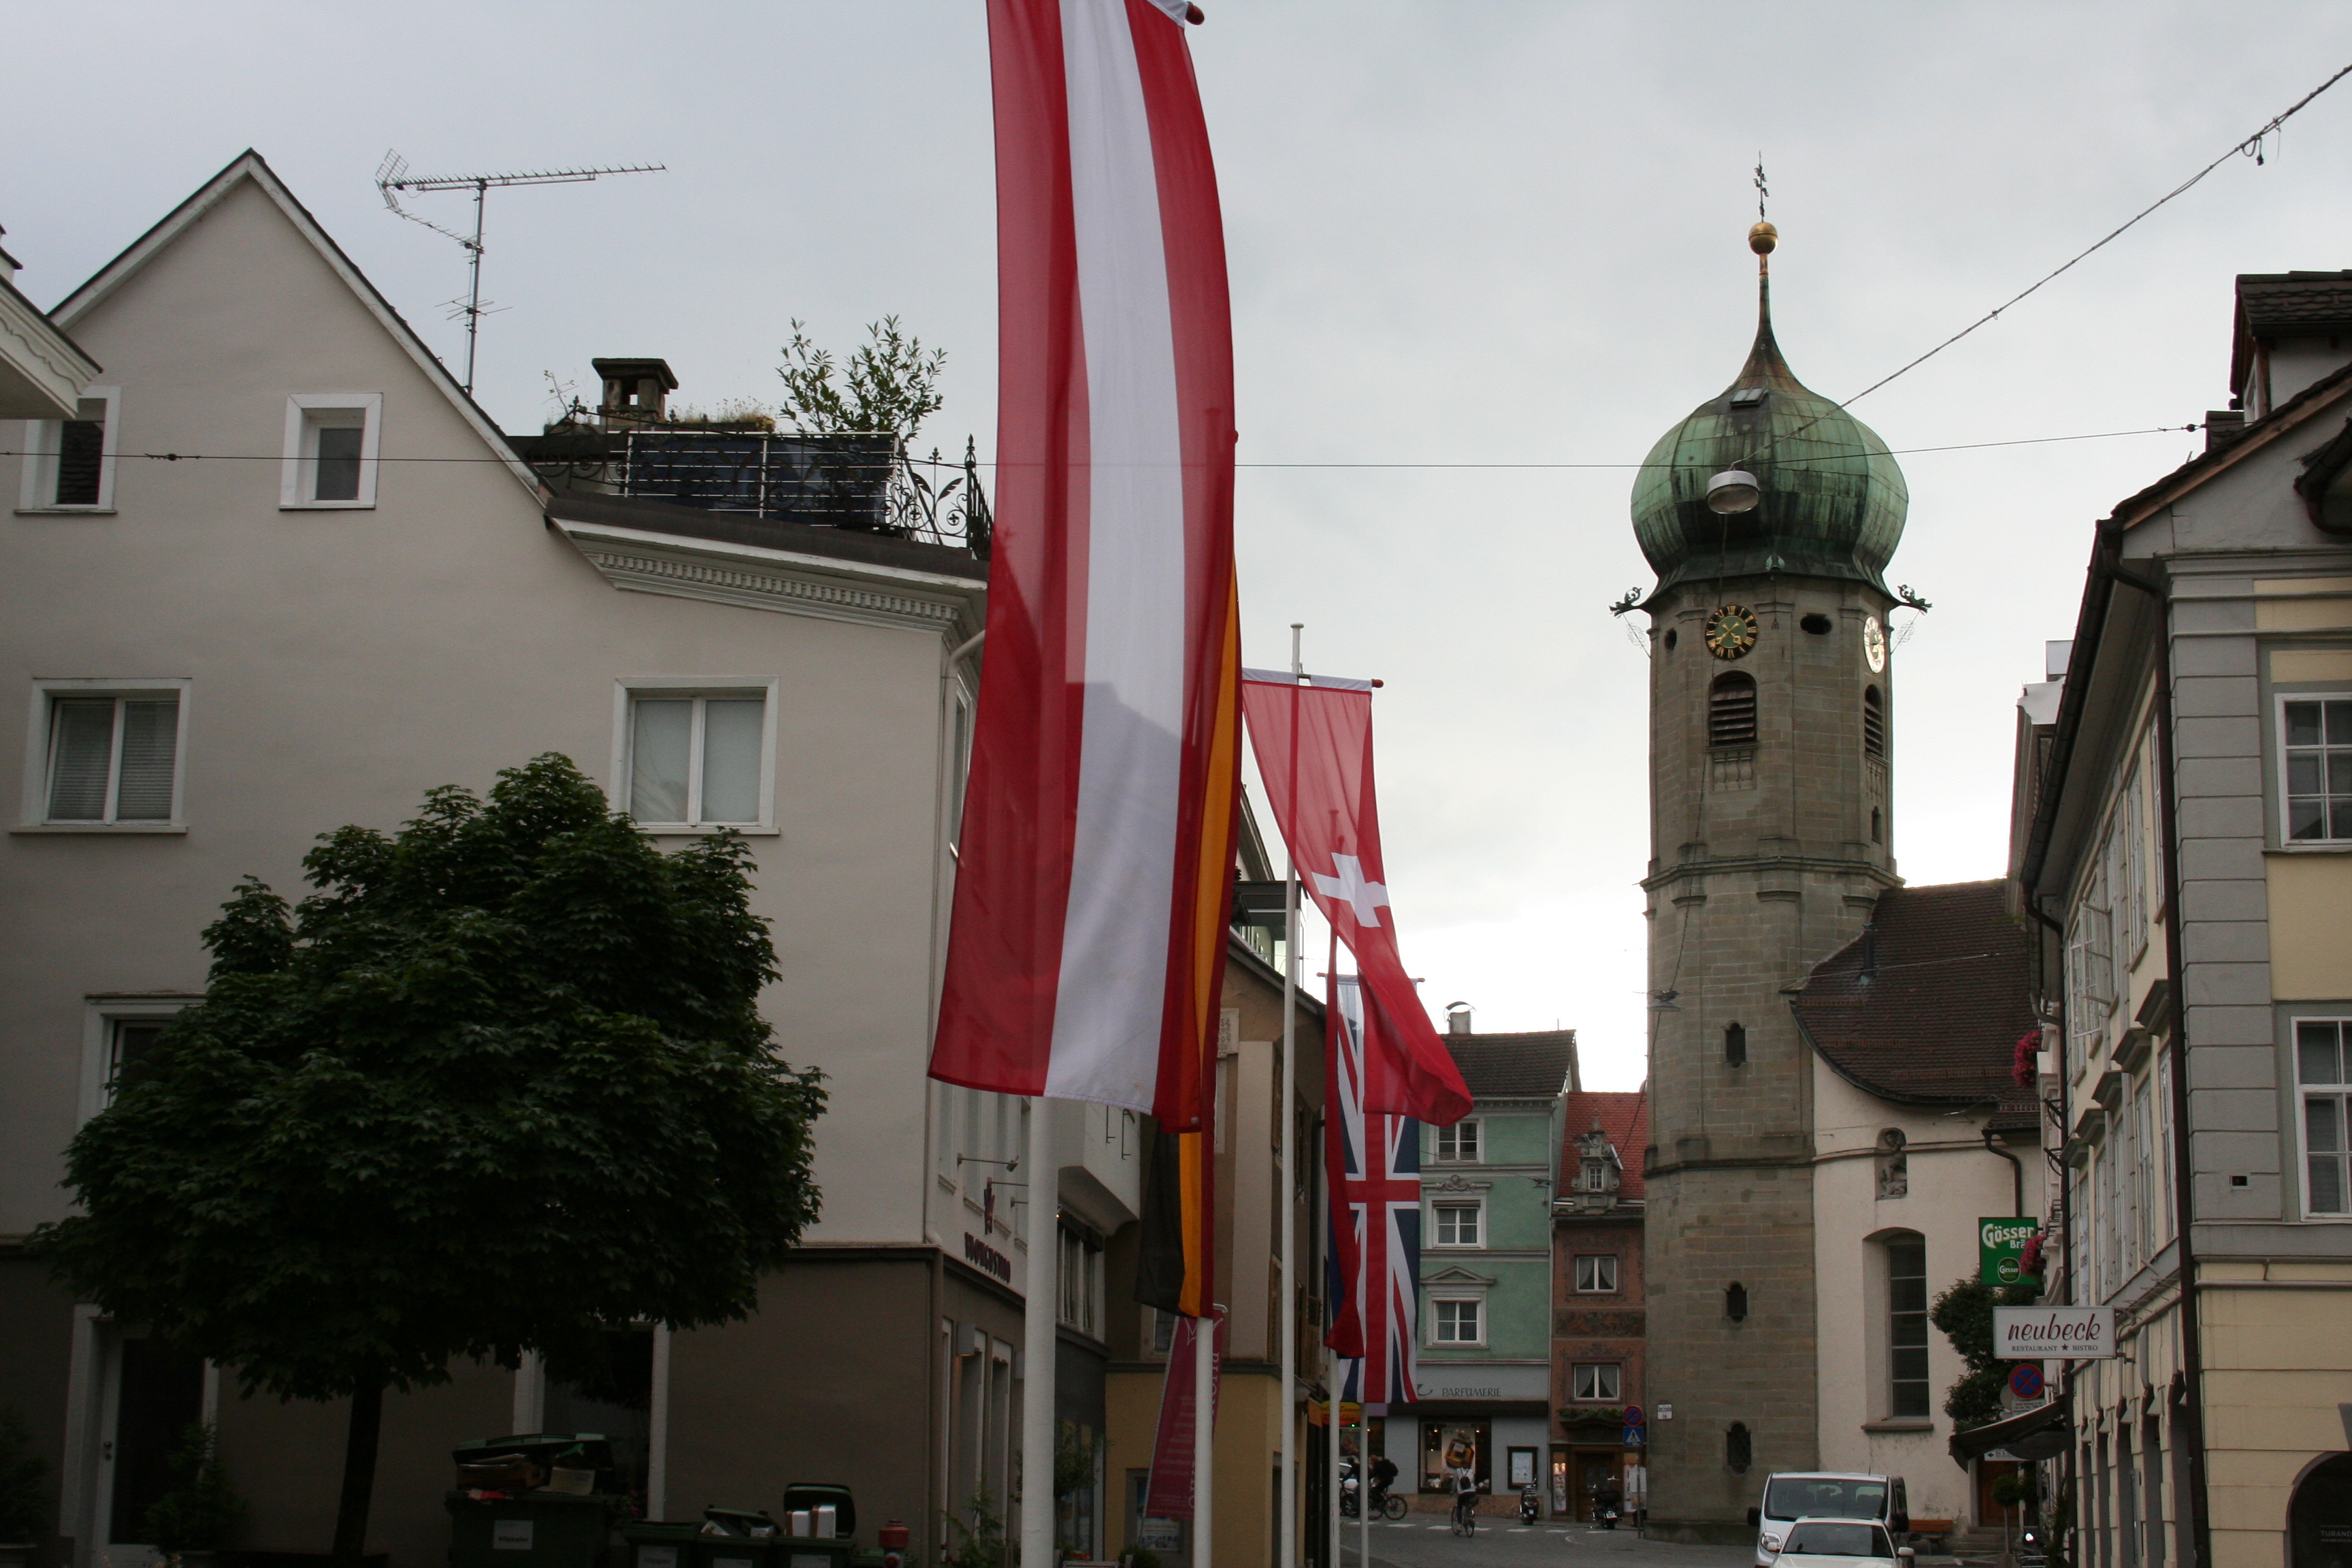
{"points": [[1470, 231]]}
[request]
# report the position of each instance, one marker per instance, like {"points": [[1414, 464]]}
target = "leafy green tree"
{"points": [[500, 1083], [201, 1512], [888, 386], [1965, 1314]]}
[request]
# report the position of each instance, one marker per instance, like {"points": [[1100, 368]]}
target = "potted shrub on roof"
{"points": [[190, 1523], [24, 1501]]}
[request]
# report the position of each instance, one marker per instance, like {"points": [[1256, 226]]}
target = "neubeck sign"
{"points": [[2052, 1334]]}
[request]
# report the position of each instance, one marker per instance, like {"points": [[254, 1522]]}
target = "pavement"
{"points": [[1426, 1541]]}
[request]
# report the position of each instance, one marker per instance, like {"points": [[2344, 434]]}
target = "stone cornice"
{"points": [[1684, 870], [821, 587], [44, 357]]}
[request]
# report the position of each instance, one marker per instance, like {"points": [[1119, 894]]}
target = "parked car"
{"points": [[1842, 1544], [1793, 1495]]}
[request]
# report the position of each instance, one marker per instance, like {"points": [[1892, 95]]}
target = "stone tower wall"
{"points": [[1762, 863]]}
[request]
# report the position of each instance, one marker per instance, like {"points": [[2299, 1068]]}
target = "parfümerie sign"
{"points": [[2054, 1334]]}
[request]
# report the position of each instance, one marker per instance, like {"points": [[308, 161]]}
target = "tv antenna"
{"points": [[392, 176]]}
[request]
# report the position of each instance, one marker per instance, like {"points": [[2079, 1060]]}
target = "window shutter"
{"points": [[150, 731], [81, 747]]}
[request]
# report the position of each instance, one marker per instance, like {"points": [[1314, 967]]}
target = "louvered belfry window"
{"points": [[1873, 723], [1731, 711]]}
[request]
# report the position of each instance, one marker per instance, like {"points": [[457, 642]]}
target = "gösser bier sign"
{"points": [[2054, 1334]]}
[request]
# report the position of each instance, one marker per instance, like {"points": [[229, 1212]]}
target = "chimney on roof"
{"points": [[2224, 428], [1457, 1017], [637, 392]]}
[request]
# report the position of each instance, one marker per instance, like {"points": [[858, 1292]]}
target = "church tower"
{"points": [[1769, 515]]}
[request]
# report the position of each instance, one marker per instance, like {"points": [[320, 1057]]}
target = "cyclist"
{"points": [[1466, 1500], [1384, 1475]]}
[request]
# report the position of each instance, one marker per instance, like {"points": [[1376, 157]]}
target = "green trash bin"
{"points": [[534, 1529], [655, 1545], [808, 1551]]}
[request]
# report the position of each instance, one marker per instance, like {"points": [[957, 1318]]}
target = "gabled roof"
{"points": [[2304, 407], [1533, 1066], [250, 166], [1927, 1005], [1625, 1117]]}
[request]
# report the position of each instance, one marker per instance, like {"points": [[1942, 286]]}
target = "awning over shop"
{"points": [[2041, 1433]]}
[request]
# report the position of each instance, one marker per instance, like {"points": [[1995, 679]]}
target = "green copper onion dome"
{"points": [[1830, 501]]}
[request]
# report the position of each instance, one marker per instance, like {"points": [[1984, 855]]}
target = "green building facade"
{"points": [[1485, 1332]]}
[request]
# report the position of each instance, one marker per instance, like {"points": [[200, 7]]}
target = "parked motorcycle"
{"points": [[1529, 1509], [1348, 1489]]}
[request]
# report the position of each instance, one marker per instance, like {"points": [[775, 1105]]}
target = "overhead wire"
{"points": [[1899, 451]]}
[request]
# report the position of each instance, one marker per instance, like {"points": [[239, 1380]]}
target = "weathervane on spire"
{"points": [[1760, 192], [1763, 236]]}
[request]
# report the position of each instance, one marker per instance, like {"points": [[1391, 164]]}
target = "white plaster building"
{"points": [[347, 589]]}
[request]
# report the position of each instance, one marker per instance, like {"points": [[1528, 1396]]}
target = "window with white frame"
{"points": [[1460, 1223], [331, 459], [699, 757], [1595, 1382], [2315, 733], [121, 1036], [1908, 1382], [2134, 864], [1596, 1273], [2323, 1075], [1459, 1320], [69, 463], [106, 754], [1458, 1144], [1082, 1282]]}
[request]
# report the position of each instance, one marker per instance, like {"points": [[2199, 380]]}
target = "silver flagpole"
{"points": [[1204, 1427], [1287, 1555], [1037, 1341]]}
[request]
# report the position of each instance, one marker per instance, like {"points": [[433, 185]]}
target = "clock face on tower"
{"points": [[1730, 631], [1874, 645]]}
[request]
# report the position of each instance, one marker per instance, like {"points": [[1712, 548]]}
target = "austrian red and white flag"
{"points": [[1092, 893], [1312, 737]]}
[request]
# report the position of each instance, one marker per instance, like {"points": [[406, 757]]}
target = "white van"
{"points": [[1792, 1495]]}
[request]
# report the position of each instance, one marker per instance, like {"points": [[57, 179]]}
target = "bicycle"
{"points": [[1390, 1506], [1465, 1514]]}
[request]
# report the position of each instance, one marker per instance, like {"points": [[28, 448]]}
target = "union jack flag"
{"points": [[1374, 1166]]}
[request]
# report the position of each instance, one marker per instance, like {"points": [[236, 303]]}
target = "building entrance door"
{"points": [[148, 1398], [1592, 1472]]}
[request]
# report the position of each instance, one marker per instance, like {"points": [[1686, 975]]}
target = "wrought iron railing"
{"points": [[866, 483]]}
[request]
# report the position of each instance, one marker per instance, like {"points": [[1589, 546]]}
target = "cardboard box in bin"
{"points": [[814, 1498], [529, 1460]]}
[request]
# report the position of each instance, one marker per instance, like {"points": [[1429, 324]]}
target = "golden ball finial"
{"points": [[1762, 238]]}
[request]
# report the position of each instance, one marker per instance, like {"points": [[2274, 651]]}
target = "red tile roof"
{"points": [[1927, 1007], [1625, 1117]]}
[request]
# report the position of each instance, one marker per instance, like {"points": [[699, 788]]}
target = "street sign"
{"points": [[1632, 1415], [2025, 1381], [2038, 1333], [2000, 1247]]}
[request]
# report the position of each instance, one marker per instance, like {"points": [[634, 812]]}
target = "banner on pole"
{"points": [[1373, 1166], [1087, 942], [1313, 741], [1170, 1493]]}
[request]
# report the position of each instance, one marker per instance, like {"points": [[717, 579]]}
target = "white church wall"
{"points": [[1949, 1181]]}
